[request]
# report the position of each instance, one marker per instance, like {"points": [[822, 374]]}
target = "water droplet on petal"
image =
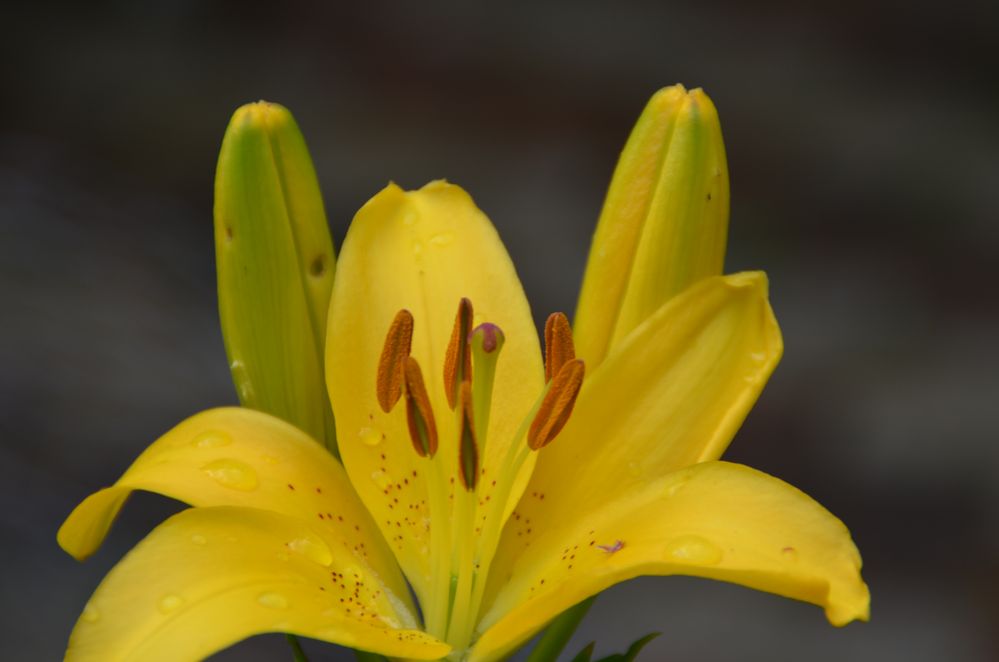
{"points": [[198, 539], [417, 249], [233, 474], [759, 357], [90, 614], [212, 439], [789, 553], [370, 436], [168, 603], [382, 479], [442, 239], [241, 378], [273, 600], [693, 549], [269, 459], [313, 549], [676, 486]]}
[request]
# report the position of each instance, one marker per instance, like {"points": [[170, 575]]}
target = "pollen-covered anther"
{"points": [[458, 359], [559, 348], [419, 414], [391, 364], [468, 449], [557, 405]]}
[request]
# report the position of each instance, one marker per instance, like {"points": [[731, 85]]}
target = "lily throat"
{"points": [[468, 501]]}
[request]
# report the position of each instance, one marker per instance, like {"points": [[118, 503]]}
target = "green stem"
{"points": [[365, 656], [559, 632], [296, 648]]}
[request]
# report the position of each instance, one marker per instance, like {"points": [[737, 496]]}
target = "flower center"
{"points": [[466, 524]]}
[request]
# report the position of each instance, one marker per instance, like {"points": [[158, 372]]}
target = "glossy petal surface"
{"points": [[209, 577], [716, 520], [674, 395], [241, 457], [421, 251]]}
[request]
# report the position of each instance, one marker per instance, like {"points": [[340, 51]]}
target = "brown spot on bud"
{"points": [[419, 414], [557, 406], [398, 342], [458, 359], [559, 348]]}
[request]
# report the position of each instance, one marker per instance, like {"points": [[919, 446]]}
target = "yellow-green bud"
{"points": [[275, 266], [664, 223]]}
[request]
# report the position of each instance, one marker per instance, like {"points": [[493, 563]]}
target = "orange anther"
{"points": [[557, 406], [419, 414], [559, 348], [398, 342], [458, 359], [468, 449]]}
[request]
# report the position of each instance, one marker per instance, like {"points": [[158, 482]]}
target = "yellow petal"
{"points": [[674, 394], [664, 222], [209, 577], [241, 457], [275, 268], [716, 520], [423, 251]]}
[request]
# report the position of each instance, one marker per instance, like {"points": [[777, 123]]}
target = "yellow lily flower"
{"points": [[501, 485]]}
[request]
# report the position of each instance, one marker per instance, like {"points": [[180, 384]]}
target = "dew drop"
{"points": [[759, 357], [198, 539], [410, 218], [272, 600], [393, 623], [417, 248], [168, 603], [241, 378], [313, 549], [370, 436], [789, 553], [675, 487], [212, 439], [90, 614], [382, 479], [233, 474], [693, 549], [442, 239]]}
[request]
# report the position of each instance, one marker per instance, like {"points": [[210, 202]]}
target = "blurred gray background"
{"points": [[864, 157]]}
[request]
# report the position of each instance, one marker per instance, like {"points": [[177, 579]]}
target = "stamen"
{"points": [[557, 405], [468, 453], [419, 415], [559, 348], [458, 360], [398, 342]]}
